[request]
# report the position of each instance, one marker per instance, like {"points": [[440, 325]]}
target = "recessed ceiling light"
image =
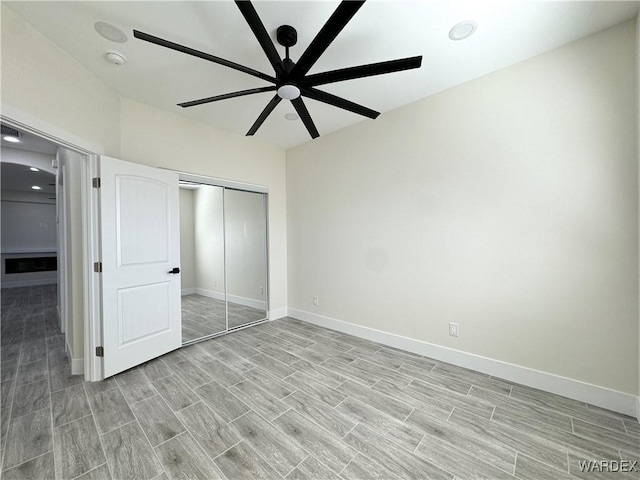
{"points": [[36, 187], [291, 116], [34, 169], [11, 138], [108, 31], [463, 30]]}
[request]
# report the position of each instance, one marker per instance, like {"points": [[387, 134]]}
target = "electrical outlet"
{"points": [[315, 301], [454, 329]]}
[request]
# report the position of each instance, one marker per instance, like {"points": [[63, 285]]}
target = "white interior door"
{"points": [[140, 235]]}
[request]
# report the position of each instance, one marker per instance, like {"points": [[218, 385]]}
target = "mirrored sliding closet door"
{"points": [[223, 250]]}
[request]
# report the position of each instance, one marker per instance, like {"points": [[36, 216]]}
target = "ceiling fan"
{"points": [[291, 81]]}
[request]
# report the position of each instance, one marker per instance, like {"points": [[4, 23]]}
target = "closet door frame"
{"points": [[246, 187]]}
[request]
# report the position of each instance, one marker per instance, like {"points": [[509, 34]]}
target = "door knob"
{"points": [[175, 270]]}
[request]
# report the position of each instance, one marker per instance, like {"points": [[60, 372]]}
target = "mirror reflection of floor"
{"points": [[203, 316]]}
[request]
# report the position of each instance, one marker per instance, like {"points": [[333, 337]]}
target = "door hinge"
{"points": [[97, 267], [99, 351], [95, 181]]}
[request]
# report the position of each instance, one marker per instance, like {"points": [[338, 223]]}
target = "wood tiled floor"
{"points": [[283, 399]]}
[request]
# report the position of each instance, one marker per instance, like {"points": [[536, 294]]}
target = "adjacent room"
{"points": [[321, 240]]}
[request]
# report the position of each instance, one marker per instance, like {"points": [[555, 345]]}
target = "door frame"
{"points": [[26, 122]]}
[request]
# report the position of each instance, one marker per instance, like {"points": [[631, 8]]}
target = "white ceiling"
{"points": [[508, 32], [19, 178]]}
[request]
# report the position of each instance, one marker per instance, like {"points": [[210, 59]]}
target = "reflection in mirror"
{"points": [[246, 253], [202, 261]]}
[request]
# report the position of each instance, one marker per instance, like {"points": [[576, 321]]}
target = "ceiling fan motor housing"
{"points": [[286, 35]]}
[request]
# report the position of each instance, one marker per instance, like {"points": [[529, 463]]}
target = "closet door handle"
{"points": [[175, 270]]}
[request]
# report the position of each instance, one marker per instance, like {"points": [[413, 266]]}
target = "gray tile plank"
{"points": [[434, 395], [327, 448], [32, 372], [208, 429], [110, 410], [98, 387], [530, 469], [191, 374], [99, 473], [30, 436], [5, 415], [7, 390], [60, 377], [269, 442], [135, 386], [279, 354], [41, 467], [242, 462], [312, 469], [271, 365], [379, 372], [157, 420], [535, 447], [175, 392], [262, 402], [460, 463], [567, 406], [223, 374], [129, 454], [270, 383], [478, 379], [404, 434], [349, 373], [31, 397], [606, 436], [323, 375], [182, 458], [234, 361], [319, 412], [363, 468], [477, 446], [435, 408], [376, 399], [221, 401], [77, 448], [441, 381], [318, 390], [156, 369], [390, 457], [69, 404]]}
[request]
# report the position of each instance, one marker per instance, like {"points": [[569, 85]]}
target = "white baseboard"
{"points": [[209, 293], [187, 291], [247, 302], [278, 313], [584, 392], [77, 364], [28, 283]]}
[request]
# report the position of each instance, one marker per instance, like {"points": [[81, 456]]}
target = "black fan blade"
{"points": [[363, 71], [252, 18], [301, 108], [326, 35], [265, 113], [197, 53], [338, 102], [225, 96]]}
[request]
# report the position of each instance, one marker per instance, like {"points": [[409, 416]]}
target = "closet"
{"points": [[223, 257]]}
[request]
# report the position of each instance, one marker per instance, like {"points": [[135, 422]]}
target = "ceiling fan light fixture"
{"points": [[463, 30], [288, 92], [291, 116]]}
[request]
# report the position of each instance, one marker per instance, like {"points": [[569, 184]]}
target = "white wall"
{"points": [[187, 242], [507, 204], [209, 241]]}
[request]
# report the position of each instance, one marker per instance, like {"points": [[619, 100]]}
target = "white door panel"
{"points": [[140, 236]]}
